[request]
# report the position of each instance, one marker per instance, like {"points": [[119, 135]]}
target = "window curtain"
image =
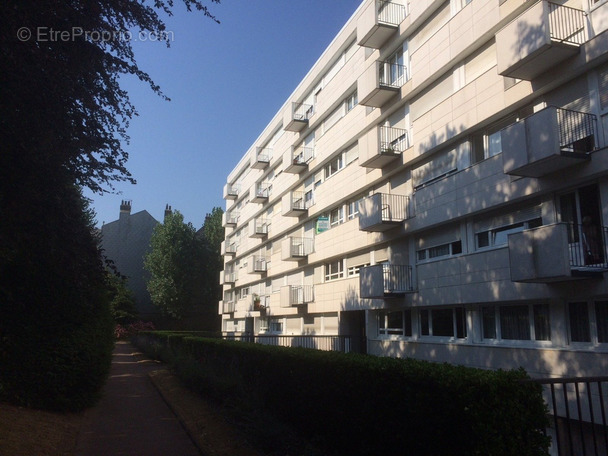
{"points": [[514, 323]]}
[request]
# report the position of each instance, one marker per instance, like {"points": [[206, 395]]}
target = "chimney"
{"points": [[168, 211], [125, 209]]}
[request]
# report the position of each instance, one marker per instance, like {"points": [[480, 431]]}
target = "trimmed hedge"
{"points": [[364, 405]]}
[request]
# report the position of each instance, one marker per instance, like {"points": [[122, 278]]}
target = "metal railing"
{"points": [[577, 130], [301, 111], [229, 277], [391, 13], [392, 74], [233, 189], [232, 218], [588, 246], [394, 208], [566, 24], [228, 306], [300, 247], [300, 294], [577, 407], [345, 344], [302, 155], [231, 248], [264, 155], [260, 263], [393, 140], [261, 227], [262, 190], [397, 278]]}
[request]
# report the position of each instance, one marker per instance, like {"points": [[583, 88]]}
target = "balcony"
{"points": [[296, 248], [380, 82], [228, 307], [298, 158], [380, 146], [295, 295], [229, 277], [381, 281], [231, 191], [257, 264], [297, 118], [261, 192], [378, 22], [230, 218], [558, 253], [548, 141], [262, 158], [543, 36], [258, 228], [295, 204], [228, 248], [381, 212]]}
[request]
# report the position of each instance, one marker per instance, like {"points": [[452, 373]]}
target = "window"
{"points": [[443, 250], [520, 322], [579, 322], [276, 326], [309, 199], [353, 208], [499, 236], [334, 166], [334, 270], [395, 323], [351, 101], [353, 271], [336, 216], [601, 321], [450, 322]]}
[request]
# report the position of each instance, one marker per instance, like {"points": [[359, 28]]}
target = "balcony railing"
{"points": [[231, 248], [232, 218], [391, 13], [576, 131], [261, 193], [301, 247], [229, 277], [383, 211], [588, 247], [262, 157], [295, 295], [260, 228], [392, 74], [299, 116], [566, 25], [259, 263], [393, 140], [385, 281], [232, 191], [549, 140]]}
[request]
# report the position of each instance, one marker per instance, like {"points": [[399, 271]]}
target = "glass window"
{"points": [[488, 315], [424, 322], [336, 216], [443, 324], [514, 323], [334, 270], [601, 320], [453, 248], [579, 322], [542, 326]]}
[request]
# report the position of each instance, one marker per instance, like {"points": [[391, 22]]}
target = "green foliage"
{"points": [[56, 331], [122, 304], [212, 233], [176, 263], [390, 405]]}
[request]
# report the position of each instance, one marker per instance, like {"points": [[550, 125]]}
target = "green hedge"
{"points": [[366, 405]]}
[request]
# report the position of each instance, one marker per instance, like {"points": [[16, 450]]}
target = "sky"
{"points": [[226, 82]]}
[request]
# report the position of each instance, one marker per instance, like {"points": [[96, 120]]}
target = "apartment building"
{"points": [[437, 183]]}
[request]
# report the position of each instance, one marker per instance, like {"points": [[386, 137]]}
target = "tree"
{"points": [[122, 303], [176, 263], [63, 123], [213, 234]]}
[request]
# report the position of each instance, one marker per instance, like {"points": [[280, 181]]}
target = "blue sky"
{"points": [[226, 82]]}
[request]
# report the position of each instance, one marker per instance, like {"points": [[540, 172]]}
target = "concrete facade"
{"points": [[436, 183], [126, 241]]}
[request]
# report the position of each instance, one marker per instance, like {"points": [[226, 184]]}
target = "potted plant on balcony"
{"points": [[257, 302]]}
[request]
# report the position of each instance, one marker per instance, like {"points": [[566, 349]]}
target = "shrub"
{"points": [[388, 404]]}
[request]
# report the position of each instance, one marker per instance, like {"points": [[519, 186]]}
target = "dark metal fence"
{"points": [[397, 278], [345, 344], [577, 407], [577, 130], [393, 139], [392, 74], [395, 208], [588, 246]]}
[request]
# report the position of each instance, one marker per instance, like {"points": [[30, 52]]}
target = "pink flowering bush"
{"points": [[125, 332]]}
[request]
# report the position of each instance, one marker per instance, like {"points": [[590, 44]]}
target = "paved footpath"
{"points": [[132, 419]]}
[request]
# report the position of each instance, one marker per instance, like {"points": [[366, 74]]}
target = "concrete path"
{"points": [[132, 419]]}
